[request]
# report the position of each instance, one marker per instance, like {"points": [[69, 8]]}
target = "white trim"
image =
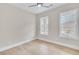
{"points": [[66, 14], [60, 43], [26, 41], [15, 45], [44, 25]]}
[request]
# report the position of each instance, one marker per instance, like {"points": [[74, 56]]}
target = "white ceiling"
{"points": [[36, 10]]}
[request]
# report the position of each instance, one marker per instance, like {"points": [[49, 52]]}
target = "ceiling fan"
{"points": [[41, 5]]}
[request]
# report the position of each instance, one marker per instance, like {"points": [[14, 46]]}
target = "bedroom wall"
{"points": [[16, 25], [53, 36]]}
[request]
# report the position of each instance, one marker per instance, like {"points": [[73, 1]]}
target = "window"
{"points": [[68, 24], [44, 25]]}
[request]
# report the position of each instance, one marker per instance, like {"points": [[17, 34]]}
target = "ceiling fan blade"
{"points": [[32, 5], [48, 6]]}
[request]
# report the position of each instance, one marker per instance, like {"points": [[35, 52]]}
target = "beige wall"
{"points": [[16, 25], [54, 25]]}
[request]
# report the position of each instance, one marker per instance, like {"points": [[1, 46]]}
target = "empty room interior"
{"points": [[39, 28]]}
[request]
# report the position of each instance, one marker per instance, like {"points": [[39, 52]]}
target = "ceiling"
{"points": [[36, 10]]}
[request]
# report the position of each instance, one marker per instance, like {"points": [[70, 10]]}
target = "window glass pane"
{"points": [[41, 26], [68, 24], [44, 25]]}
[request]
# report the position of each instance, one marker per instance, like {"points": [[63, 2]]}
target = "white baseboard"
{"points": [[26, 41], [15, 45], [60, 43]]}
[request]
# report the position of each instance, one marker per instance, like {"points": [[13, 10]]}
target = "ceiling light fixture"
{"points": [[39, 5]]}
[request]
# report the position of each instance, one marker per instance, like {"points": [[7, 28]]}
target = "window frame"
{"points": [[44, 25]]}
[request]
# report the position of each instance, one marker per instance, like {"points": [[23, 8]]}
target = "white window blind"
{"points": [[44, 25], [68, 24]]}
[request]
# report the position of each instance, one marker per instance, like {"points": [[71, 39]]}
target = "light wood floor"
{"points": [[38, 47]]}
